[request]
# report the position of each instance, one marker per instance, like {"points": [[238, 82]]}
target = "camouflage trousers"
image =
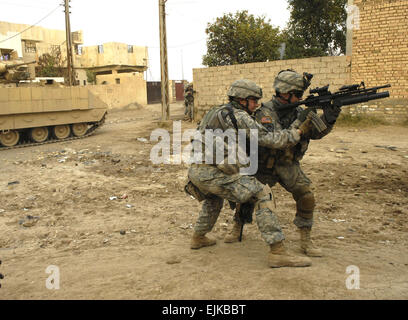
{"points": [[188, 109], [294, 180], [217, 186]]}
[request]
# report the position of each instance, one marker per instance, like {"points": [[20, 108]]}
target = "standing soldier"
{"points": [[212, 183], [188, 102], [283, 165]]}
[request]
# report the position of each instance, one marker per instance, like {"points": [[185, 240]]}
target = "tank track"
{"points": [[88, 133]]}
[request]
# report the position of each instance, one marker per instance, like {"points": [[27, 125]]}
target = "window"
{"points": [[84, 82], [100, 48], [130, 49], [117, 81], [78, 50], [30, 47]]}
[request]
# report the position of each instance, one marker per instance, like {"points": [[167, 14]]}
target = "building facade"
{"points": [[30, 43], [118, 67]]}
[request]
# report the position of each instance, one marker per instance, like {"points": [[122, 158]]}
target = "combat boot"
{"points": [[198, 241], [307, 245], [280, 257], [233, 235]]}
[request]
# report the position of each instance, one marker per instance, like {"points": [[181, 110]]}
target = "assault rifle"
{"points": [[347, 95]]}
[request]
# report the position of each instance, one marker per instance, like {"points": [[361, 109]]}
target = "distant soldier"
{"points": [[283, 165], [188, 102], [212, 183]]}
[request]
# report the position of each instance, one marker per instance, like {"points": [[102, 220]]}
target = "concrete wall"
{"points": [[43, 37], [35, 33], [132, 89], [212, 83], [114, 53]]}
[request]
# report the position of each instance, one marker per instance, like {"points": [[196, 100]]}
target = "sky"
{"points": [[136, 22]]}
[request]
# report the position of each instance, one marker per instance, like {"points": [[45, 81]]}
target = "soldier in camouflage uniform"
{"points": [[283, 165], [213, 183], [188, 102]]}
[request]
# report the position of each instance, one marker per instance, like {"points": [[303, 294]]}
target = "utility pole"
{"points": [[70, 61], [182, 67], [163, 62]]}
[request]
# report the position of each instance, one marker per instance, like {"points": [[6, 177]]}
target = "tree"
{"points": [[90, 76], [241, 38], [316, 28], [51, 64]]}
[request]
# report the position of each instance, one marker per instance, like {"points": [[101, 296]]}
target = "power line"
{"points": [[33, 25]]}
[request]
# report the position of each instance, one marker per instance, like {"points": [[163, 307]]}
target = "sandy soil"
{"points": [[137, 246]]}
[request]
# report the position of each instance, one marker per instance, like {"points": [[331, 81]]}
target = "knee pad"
{"points": [[305, 205], [264, 199]]}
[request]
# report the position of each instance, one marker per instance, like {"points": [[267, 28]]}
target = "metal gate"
{"points": [[153, 92], [179, 91]]}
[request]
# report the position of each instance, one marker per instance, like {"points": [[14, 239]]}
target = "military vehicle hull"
{"points": [[39, 114]]}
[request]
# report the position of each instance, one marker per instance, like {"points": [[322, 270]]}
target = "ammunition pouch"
{"points": [[193, 191], [267, 157], [270, 162]]}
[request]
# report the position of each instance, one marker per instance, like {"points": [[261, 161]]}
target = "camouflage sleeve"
{"points": [[263, 117], [277, 139]]}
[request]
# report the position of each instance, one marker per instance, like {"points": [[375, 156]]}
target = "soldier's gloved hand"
{"points": [[331, 113], [303, 114], [306, 125]]}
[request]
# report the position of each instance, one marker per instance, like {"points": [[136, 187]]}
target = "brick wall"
{"points": [[380, 54], [212, 83]]}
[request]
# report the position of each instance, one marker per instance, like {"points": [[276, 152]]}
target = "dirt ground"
{"points": [[58, 208]]}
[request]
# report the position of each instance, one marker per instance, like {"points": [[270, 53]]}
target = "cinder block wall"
{"points": [[380, 54], [211, 84]]}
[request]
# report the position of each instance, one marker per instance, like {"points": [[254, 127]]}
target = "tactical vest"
{"points": [[215, 118], [282, 121]]}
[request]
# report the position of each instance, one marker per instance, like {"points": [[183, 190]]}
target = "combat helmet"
{"points": [[289, 80], [244, 89]]}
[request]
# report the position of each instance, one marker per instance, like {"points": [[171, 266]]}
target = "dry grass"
{"points": [[349, 120]]}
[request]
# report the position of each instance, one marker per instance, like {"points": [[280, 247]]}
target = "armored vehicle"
{"points": [[14, 72], [33, 115]]}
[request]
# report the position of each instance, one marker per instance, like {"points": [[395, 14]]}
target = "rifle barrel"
{"points": [[341, 98], [345, 101]]}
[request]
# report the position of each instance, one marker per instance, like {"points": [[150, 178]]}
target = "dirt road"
{"points": [[117, 226]]}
